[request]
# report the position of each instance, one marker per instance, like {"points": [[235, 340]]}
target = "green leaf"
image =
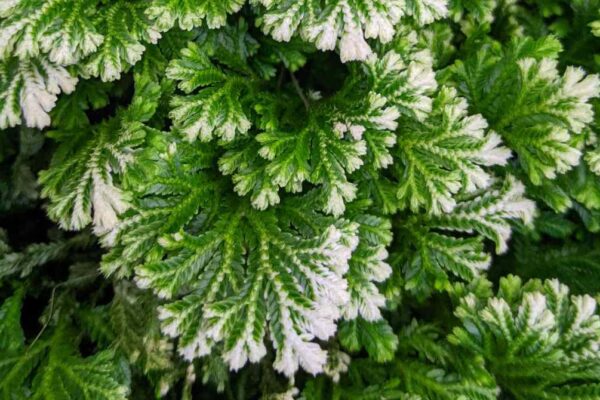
{"points": [[377, 338], [215, 259], [429, 255], [29, 89], [63, 29], [218, 109], [38, 254], [80, 181], [125, 28], [264, 288], [50, 366], [192, 13], [521, 93], [99, 377], [11, 335], [444, 155], [342, 23], [534, 333]]}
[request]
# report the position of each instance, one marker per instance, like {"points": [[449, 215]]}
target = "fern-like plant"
{"points": [[312, 199]]}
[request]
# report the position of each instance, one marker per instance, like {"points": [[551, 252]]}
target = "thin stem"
{"points": [[51, 311], [299, 91], [47, 322]]}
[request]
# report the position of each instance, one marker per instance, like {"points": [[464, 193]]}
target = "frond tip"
{"points": [[29, 88]]}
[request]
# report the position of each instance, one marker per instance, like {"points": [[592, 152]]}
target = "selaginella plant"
{"points": [[311, 199]]}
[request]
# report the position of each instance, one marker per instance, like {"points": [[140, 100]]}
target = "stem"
{"points": [[47, 322], [51, 311], [299, 91]]}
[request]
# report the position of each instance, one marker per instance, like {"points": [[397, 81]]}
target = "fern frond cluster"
{"points": [[313, 199]]}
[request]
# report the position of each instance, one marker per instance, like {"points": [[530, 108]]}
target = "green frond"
{"points": [[525, 99], [377, 338], [218, 108], [188, 14], [51, 367], [38, 254], [537, 340], [29, 89], [125, 28], [424, 367], [478, 10], [62, 29], [80, 181], [444, 155], [429, 255], [344, 24], [219, 285]]}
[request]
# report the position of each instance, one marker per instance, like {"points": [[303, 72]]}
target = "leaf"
{"points": [[220, 259], [376, 337], [524, 98], [11, 334], [535, 333], [489, 212], [218, 109], [314, 154], [480, 10], [192, 13], [429, 255], [70, 111], [80, 181], [351, 22], [424, 367], [29, 88], [135, 238], [265, 288], [125, 28], [368, 267], [445, 155], [137, 333], [38, 254], [50, 367], [99, 377], [62, 29]]}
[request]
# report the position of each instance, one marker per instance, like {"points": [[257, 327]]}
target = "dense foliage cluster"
{"points": [[299, 199]]}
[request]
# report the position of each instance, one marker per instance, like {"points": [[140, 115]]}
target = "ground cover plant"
{"points": [[299, 199]]}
